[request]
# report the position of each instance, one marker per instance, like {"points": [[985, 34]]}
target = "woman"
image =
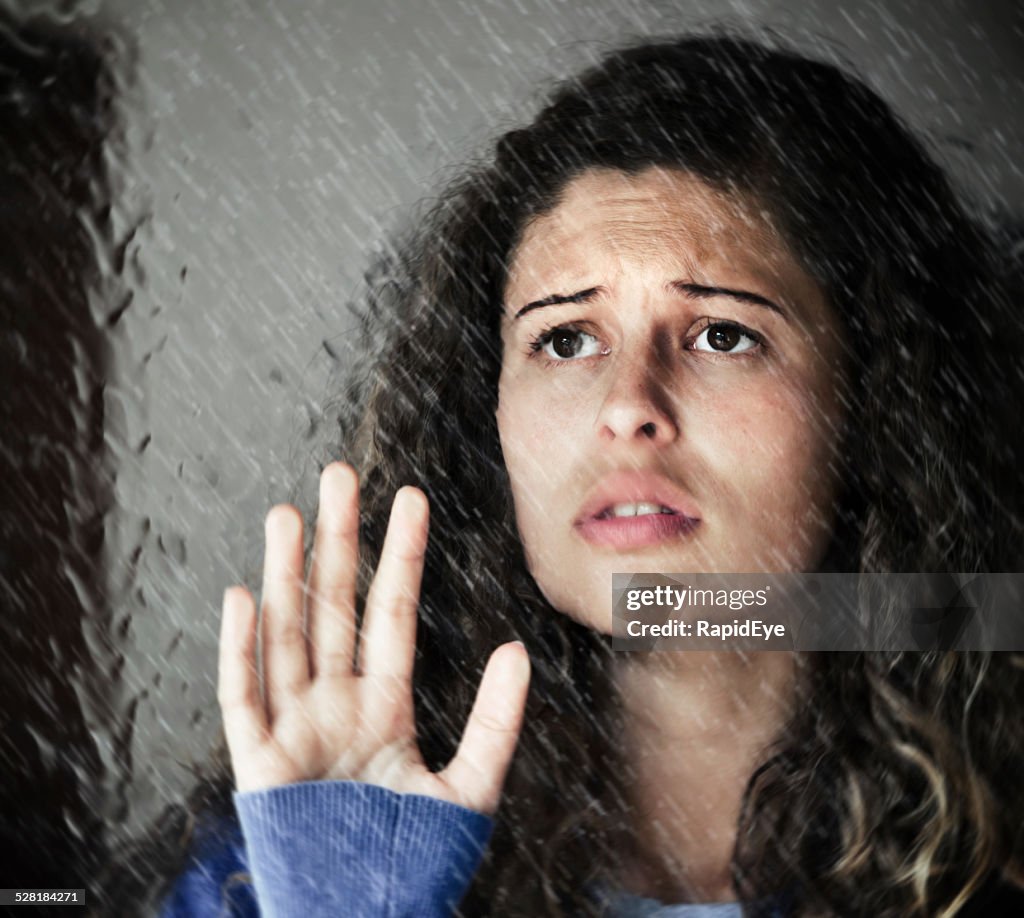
{"points": [[715, 309]]}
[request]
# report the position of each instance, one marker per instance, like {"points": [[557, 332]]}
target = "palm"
{"points": [[321, 717]]}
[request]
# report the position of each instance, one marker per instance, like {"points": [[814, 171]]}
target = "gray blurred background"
{"points": [[264, 150]]}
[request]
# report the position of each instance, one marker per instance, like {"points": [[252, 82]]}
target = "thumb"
{"points": [[477, 773]]}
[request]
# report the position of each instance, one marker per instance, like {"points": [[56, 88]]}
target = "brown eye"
{"points": [[567, 343], [726, 338], [723, 337]]}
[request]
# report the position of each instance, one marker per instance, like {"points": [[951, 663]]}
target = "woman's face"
{"points": [[669, 390]]}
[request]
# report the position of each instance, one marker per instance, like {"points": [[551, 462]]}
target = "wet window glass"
{"points": [[409, 409]]}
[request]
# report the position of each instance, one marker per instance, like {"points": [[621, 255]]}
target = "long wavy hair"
{"points": [[895, 788]]}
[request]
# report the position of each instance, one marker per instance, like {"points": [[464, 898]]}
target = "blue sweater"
{"points": [[345, 848]]}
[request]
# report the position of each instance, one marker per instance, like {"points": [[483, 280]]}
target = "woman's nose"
{"points": [[638, 405]]}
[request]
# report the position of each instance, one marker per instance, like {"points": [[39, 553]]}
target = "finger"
{"points": [[238, 690], [388, 646], [285, 658], [332, 578], [481, 762]]}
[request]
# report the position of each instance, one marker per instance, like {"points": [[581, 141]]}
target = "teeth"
{"points": [[642, 509]]}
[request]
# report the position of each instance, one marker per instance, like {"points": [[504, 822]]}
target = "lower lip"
{"points": [[636, 531]]}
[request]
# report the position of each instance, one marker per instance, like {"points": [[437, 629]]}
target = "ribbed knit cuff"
{"points": [[345, 848], [438, 847]]}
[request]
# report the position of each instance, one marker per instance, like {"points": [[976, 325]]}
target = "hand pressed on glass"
{"points": [[322, 717]]}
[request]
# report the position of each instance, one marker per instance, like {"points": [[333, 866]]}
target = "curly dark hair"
{"points": [[894, 790]]}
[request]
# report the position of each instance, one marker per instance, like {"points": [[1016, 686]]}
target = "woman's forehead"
{"points": [[659, 220]]}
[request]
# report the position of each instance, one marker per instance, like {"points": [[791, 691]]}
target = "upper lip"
{"points": [[634, 487]]}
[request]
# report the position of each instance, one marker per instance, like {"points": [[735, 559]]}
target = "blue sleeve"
{"points": [[216, 881], [343, 848]]}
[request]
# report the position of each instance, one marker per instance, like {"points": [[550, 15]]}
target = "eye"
{"points": [[567, 343], [725, 338]]}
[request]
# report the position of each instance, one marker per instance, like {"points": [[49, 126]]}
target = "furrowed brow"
{"points": [[695, 291], [702, 291], [581, 296]]}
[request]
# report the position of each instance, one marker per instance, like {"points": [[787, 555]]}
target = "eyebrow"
{"points": [[695, 291]]}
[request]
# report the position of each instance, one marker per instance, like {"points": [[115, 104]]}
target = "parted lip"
{"points": [[634, 487]]}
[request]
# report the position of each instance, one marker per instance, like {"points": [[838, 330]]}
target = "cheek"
{"points": [[530, 436], [536, 425], [771, 453], [524, 432]]}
